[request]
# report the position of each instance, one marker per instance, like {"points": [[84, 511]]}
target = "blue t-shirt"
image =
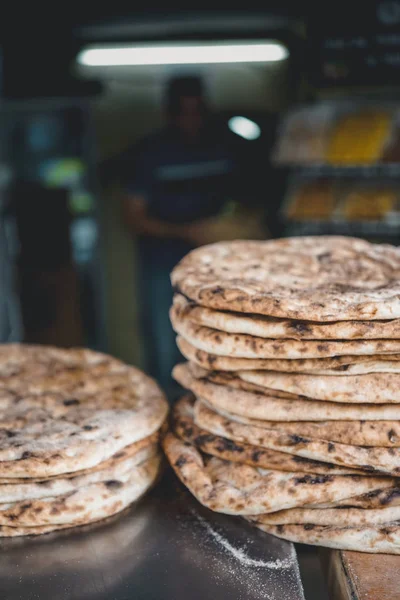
{"points": [[181, 182]]}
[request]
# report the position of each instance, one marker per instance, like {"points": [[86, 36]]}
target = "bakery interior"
{"points": [[314, 122]]}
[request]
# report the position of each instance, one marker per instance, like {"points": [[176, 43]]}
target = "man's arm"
{"points": [[201, 232], [138, 221]]}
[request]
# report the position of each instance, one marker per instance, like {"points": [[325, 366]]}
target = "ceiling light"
{"points": [[244, 127], [182, 54]]}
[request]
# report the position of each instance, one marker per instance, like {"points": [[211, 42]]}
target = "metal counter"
{"points": [[167, 547]]}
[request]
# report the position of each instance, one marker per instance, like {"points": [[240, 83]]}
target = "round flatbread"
{"points": [[239, 489], [20, 490], [362, 368], [231, 380], [90, 503], [273, 328], [322, 278], [185, 428], [375, 499], [360, 433], [258, 405], [67, 410], [385, 540], [371, 459], [18, 531], [140, 451], [345, 517], [240, 345], [374, 388], [384, 434], [334, 365]]}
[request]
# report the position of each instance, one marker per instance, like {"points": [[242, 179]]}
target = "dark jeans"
{"points": [[155, 297]]}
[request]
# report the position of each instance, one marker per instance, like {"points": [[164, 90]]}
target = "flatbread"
{"points": [[17, 531], [68, 410], [384, 434], [374, 388], [232, 380], [376, 499], [257, 405], [360, 433], [383, 540], [338, 517], [256, 456], [273, 328], [188, 371], [362, 368], [18, 490], [372, 459], [239, 489], [88, 503], [240, 345], [367, 364], [142, 450], [253, 382], [322, 278], [81, 508]]}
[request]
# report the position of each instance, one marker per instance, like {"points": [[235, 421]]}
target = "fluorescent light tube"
{"points": [[182, 54], [244, 127]]}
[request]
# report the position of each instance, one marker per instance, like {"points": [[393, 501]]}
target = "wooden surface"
{"points": [[361, 576]]}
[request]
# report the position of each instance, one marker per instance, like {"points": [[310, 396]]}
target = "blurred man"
{"points": [[183, 180]]}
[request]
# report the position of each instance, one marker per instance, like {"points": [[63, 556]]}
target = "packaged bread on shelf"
{"points": [[311, 201], [363, 201], [359, 138]]}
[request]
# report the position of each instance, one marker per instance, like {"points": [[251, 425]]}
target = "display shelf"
{"points": [[357, 229], [383, 170]]}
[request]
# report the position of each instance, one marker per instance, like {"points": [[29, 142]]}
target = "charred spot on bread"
{"points": [[113, 484], [225, 445], [300, 327], [71, 402], [181, 461], [313, 479], [297, 439]]}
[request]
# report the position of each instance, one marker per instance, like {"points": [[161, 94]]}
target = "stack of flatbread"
{"points": [[78, 437], [293, 416]]}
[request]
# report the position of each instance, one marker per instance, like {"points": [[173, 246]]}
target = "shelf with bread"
{"points": [[341, 135], [347, 206], [343, 160]]}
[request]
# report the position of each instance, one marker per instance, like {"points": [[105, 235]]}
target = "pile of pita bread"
{"points": [[292, 419], [79, 435]]}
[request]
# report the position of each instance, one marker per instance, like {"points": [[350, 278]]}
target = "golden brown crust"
{"points": [[67, 410], [307, 278], [241, 345], [240, 489], [385, 540], [346, 517], [236, 451], [341, 364], [372, 459], [275, 328], [260, 405], [91, 502], [368, 388]]}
